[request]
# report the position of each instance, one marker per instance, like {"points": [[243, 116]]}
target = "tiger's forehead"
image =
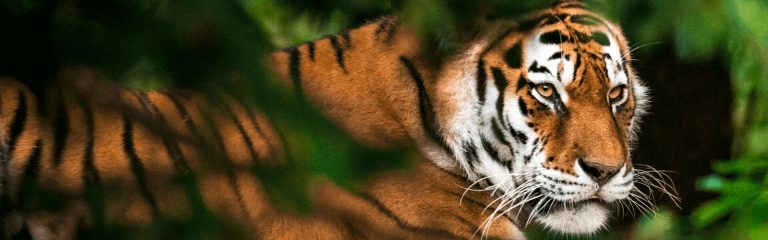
{"points": [[563, 43]]}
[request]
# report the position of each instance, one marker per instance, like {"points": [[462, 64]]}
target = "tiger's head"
{"points": [[545, 116]]}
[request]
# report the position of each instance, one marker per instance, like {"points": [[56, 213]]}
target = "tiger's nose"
{"points": [[600, 172]]}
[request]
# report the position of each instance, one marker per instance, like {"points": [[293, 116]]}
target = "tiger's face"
{"points": [[575, 104], [559, 106]]}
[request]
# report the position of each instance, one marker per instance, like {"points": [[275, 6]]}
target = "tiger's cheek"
{"points": [[548, 127], [624, 114], [558, 157]]}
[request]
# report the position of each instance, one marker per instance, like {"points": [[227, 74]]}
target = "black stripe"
{"points": [[556, 55], [339, 52], [184, 114], [536, 68], [523, 107], [90, 173], [481, 78], [498, 133], [295, 71], [354, 231], [17, 126], [228, 168], [33, 163], [92, 187], [457, 176], [18, 123], [256, 126], [246, 139], [426, 111], [488, 182], [576, 67], [511, 163], [347, 39], [470, 153], [311, 48], [387, 25], [383, 24], [513, 57], [172, 147], [461, 219], [521, 82], [238, 194], [60, 131], [391, 32], [137, 168], [520, 136], [491, 150], [538, 148], [554, 37], [501, 84], [188, 180], [433, 232], [251, 117]]}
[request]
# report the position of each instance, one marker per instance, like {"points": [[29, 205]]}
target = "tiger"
{"points": [[541, 112], [531, 123]]}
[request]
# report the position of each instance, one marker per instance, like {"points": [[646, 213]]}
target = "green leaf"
{"points": [[712, 183]]}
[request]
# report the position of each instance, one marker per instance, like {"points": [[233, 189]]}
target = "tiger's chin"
{"points": [[582, 218]]}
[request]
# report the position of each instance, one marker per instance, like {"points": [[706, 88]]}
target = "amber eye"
{"points": [[616, 94], [545, 90]]}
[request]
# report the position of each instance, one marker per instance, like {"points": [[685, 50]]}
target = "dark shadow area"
{"points": [[689, 124]]}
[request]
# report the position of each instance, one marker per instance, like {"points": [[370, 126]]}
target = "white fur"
{"points": [[535, 51], [584, 219], [460, 127], [616, 188]]}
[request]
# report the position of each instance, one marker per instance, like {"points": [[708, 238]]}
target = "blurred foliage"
{"points": [[220, 46]]}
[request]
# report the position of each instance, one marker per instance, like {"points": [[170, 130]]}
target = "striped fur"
{"points": [[116, 152], [523, 114], [117, 157]]}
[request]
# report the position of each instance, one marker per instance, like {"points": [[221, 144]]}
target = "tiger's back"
{"points": [[136, 159], [128, 150]]}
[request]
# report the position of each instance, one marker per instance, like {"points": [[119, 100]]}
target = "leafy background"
{"points": [[706, 62]]}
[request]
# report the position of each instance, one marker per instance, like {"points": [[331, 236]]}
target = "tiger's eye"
{"points": [[545, 90], [616, 94]]}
